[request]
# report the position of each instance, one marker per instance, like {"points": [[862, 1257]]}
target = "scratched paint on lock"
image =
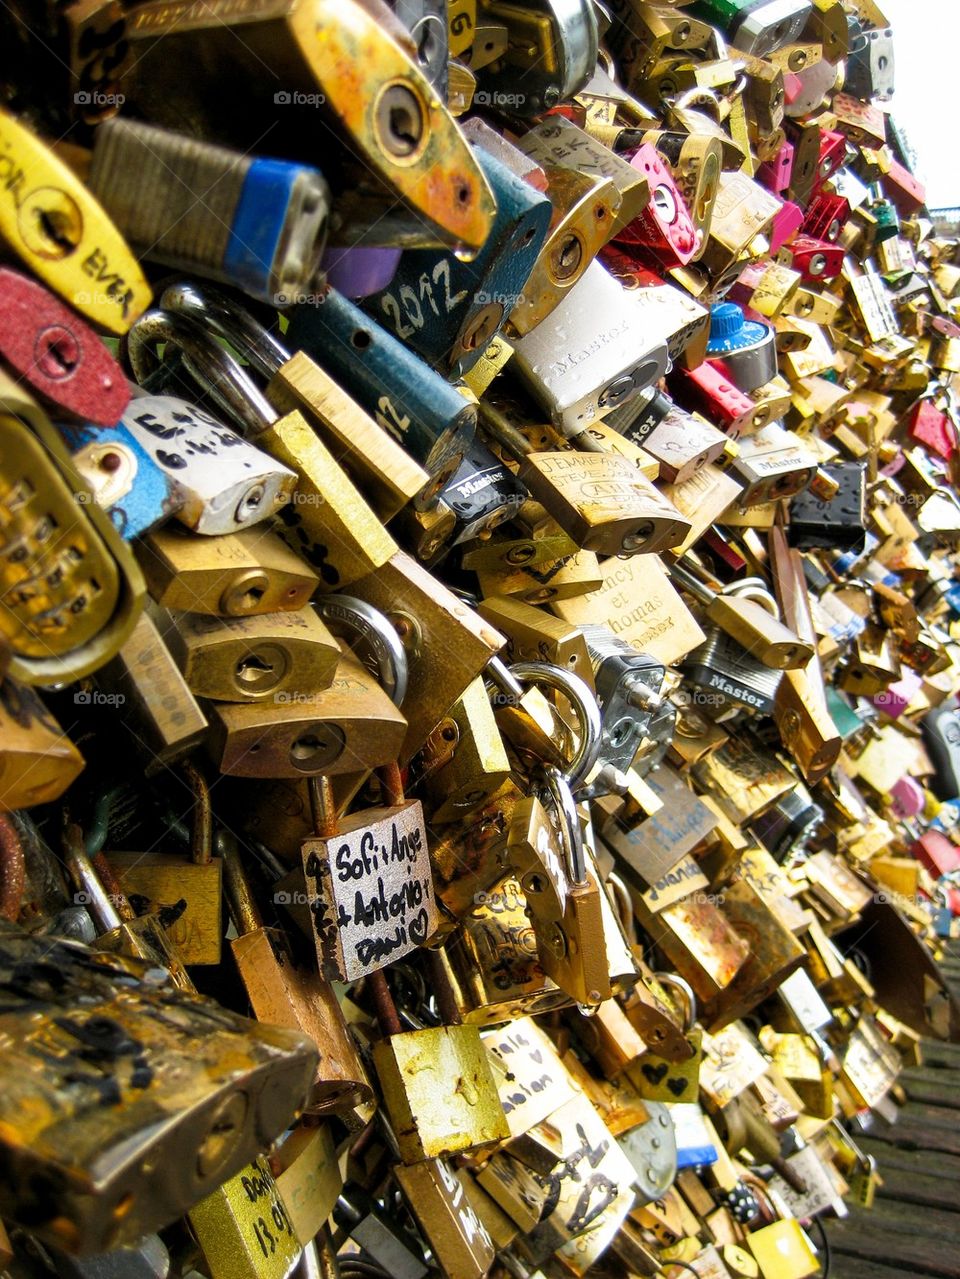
{"points": [[371, 890]]}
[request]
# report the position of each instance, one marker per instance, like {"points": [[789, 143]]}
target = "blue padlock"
{"points": [[447, 310], [422, 411], [124, 479]]}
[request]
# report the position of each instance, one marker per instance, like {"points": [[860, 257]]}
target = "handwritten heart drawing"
{"points": [[654, 1073], [677, 1086]]}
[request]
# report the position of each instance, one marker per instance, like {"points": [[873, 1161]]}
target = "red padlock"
{"points": [[826, 217], [833, 155], [928, 426], [903, 190], [786, 225], [816, 260], [936, 853], [57, 353], [708, 391]]}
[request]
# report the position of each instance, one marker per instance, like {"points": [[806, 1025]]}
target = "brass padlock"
{"points": [[465, 760], [428, 1117], [37, 759], [234, 575], [276, 656], [350, 726], [82, 1024], [285, 992], [243, 1227]]}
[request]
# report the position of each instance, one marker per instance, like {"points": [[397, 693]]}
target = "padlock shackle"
{"points": [[685, 990], [359, 623], [13, 869], [211, 366], [85, 880], [243, 909], [222, 314], [576, 690], [560, 792]]}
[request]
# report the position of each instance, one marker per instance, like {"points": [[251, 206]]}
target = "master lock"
{"points": [[726, 669], [757, 26], [579, 373], [840, 522], [449, 310], [744, 350]]}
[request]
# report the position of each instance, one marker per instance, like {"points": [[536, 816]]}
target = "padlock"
{"points": [[870, 61], [430, 621], [744, 611], [591, 372], [220, 483], [349, 726], [815, 259], [535, 636], [570, 946], [198, 207], [629, 686], [758, 29], [839, 522], [59, 356], [163, 717], [772, 464], [426, 1123], [309, 1179], [373, 897], [491, 962], [683, 443], [329, 523], [481, 495], [164, 878], [101, 1022], [583, 219], [119, 931], [730, 672], [378, 1233], [600, 499], [437, 1195], [37, 759], [124, 478], [426, 20], [708, 390], [743, 213], [550, 55], [62, 234], [275, 656], [234, 575], [465, 756], [557, 141], [744, 351], [283, 991], [368, 636], [448, 310], [873, 663], [419, 408], [243, 1227], [70, 600], [393, 149]]}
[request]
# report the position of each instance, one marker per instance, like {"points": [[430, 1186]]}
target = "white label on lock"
{"points": [[371, 890], [225, 483]]}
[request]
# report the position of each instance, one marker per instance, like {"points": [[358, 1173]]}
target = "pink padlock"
{"points": [[908, 798], [786, 224], [896, 697], [776, 173]]}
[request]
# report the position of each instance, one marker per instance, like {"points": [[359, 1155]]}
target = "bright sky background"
{"points": [[926, 43]]}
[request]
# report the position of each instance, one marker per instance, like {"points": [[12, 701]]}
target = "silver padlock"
{"points": [[628, 687]]}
